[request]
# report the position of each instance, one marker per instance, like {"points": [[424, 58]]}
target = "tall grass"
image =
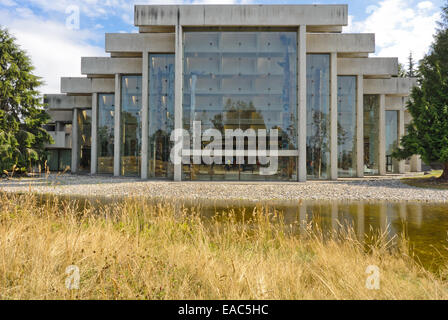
{"points": [[134, 250]]}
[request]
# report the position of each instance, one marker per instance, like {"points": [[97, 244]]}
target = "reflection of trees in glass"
{"points": [[318, 144], [345, 154]]}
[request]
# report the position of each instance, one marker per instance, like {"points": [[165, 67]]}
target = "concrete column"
{"points": [[360, 126], [382, 136], [145, 114], [301, 95], [334, 117], [178, 125], [401, 164], [416, 164], [117, 131], [94, 151], [75, 142]]}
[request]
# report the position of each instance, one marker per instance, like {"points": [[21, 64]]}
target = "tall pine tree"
{"points": [[428, 132], [22, 115]]}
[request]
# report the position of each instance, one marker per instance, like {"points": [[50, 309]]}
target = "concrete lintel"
{"points": [[110, 66], [393, 86], [139, 42], [241, 15], [341, 43], [87, 85], [395, 103], [63, 102], [368, 66]]}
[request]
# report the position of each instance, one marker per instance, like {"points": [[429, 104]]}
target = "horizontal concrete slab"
{"points": [[60, 115], [87, 85], [393, 86], [64, 102], [343, 43], [394, 102], [368, 66], [241, 15], [109, 66], [139, 42]]}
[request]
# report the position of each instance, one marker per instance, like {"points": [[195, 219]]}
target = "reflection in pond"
{"points": [[424, 225]]}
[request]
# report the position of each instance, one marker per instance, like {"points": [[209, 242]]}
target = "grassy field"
{"points": [[134, 250], [428, 182]]}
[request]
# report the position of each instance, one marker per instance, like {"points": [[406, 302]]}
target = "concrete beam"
{"points": [[368, 66], [60, 116], [139, 42], [341, 43], [241, 15], [87, 85], [393, 86], [110, 66], [61, 102], [394, 103]]}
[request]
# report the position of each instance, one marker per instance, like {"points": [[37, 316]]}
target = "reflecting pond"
{"points": [[424, 224]]}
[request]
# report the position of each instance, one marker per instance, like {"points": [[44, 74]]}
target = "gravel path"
{"points": [[390, 188]]}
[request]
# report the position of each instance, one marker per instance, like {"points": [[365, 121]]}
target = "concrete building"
{"points": [[339, 112]]}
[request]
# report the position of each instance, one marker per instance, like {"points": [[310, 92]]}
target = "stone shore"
{"points": [[372, 189]]}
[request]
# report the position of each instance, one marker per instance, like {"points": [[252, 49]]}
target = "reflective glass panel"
{"points": [[85, 139], [106, 134], [161, 115], [318, 116], [347, 126], [371, 134], [131, 125], [241, 80], [391, 138]]}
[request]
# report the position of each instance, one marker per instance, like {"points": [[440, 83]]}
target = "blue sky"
{"points": [[40, 27]]}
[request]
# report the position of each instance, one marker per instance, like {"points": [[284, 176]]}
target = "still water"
{"points": [[425, 225]]}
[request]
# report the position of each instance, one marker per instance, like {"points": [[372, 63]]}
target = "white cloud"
{"points": [[8, 3], [400, 27], [55, 50]]}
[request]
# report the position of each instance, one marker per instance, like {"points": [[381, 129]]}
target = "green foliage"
{"points": [[22, 115], [428, 132]]}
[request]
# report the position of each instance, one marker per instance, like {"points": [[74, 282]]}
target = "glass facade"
{"points": [[161, 115], [106, 134], [371, 134], [131, 125], [59, 160], [318, 116], [391, 138], [85, 140], [347, 126], [241, 80]]}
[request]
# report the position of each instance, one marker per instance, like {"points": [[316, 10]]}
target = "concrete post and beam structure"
{"points": [[164, 30]]}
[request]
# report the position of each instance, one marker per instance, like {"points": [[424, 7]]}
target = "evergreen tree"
{"points": [[428, 132], [22, 115], [411, 67], [402, 71]]}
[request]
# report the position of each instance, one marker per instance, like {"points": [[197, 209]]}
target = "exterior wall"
{"points": [[319, 31]]}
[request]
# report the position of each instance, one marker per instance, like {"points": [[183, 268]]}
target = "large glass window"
{"points": [[318, 116], [106, 126], [371, 134], [161, 115], [347, 126], [131, 125], [85, 139], [242, 80], [391, 138]]}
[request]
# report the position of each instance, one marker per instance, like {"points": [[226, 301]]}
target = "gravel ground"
{"points": [[386, 188]]}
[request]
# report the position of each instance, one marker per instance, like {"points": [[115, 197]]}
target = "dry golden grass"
{"points": [[134, 250]]}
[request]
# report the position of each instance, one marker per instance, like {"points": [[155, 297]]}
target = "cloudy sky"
{"points": [[40, 27]]}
